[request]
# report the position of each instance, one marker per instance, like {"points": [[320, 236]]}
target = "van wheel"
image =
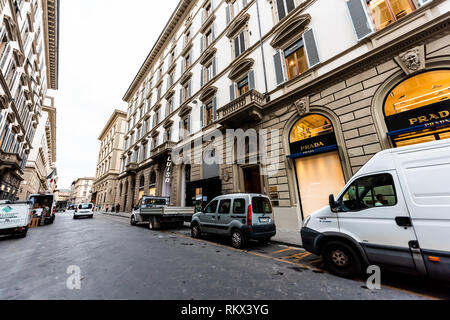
{"points": [[151, 223], [133, 221], [342, 259], [237, 239], [195, 231]]}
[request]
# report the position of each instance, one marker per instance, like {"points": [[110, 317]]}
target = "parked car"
{"points": [[394, 213], [14, 218], [84, 210], [156, 211], [43, 206], [242, 217]]}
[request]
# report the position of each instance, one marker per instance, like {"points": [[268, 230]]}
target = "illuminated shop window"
{"points": [[385, 12], [309, 127]]}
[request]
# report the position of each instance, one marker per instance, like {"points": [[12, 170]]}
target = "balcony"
{"points": [[10, 161], [131, 167], [162, 150], [245, 108]]}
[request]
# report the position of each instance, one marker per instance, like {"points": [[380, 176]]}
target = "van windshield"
{"points": [[261, 205], [85, 206]]}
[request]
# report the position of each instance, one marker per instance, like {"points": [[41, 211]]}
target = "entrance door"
{"points": [[252, 180], [318, 176]]}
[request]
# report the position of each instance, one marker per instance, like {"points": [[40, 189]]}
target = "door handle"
{"points": [[403, 221]]}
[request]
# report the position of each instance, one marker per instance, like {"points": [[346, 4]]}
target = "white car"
{"points": [[394, 213], [84, 210]]}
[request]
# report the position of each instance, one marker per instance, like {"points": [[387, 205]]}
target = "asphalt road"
{"points": [[119, 261]]}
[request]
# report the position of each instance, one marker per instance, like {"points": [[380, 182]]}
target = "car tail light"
{"points": [[249, 215], [54, 210], [76, 210]]}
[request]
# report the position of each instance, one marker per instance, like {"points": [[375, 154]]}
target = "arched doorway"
{"points": [[141, 187], [152, 184], [417, 109], [318, 167]]}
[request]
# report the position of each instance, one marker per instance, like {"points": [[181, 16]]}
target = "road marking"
{"points": [[279, 251]]}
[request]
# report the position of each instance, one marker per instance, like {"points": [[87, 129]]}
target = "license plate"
{"points": [[264, 220]]}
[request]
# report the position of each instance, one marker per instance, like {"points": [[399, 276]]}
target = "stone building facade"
{"points": [[108, 165], [28, 67], [324, 86], [81, 190]]}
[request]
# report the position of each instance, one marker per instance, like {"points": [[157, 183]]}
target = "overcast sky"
{"points": [[103, 43]]}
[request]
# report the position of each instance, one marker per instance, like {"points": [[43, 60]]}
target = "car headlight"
{"points": [[305, 223]]}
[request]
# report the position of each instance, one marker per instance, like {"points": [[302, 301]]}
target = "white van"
{"points": [[15, 218], [394, 213]]}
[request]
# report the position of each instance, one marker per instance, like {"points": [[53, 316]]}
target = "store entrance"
{"points": [[318, 166], [252, 180]]}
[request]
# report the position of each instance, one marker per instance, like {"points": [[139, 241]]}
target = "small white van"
{"points": [[84, 210], [394, 213]]}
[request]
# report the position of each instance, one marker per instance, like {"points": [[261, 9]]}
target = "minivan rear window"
{"points": [[261, 205], [85, 206]]}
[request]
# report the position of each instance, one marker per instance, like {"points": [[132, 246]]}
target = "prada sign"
{"points": [[433, 115], [311, 145]]}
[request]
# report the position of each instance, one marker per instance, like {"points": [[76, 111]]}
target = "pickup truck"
{"points": [[14, 218], [155, 211]]}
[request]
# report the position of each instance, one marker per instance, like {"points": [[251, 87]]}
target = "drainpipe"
{"points": [[266, 94]]}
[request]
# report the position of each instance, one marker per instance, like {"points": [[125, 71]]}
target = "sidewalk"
{"points": [[282, 237]]}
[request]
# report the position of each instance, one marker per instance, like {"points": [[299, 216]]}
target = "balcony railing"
{"points": [[162, 150], [131, 167], [246, 107], [10, 160]]}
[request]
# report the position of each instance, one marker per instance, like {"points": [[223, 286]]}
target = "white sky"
{"points": [[103, 43]]}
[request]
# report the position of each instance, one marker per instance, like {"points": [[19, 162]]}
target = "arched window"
{"points": [[152, 184], [418, 109]]}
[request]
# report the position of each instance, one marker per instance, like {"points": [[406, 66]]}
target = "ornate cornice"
{"points": [[51, 32]]}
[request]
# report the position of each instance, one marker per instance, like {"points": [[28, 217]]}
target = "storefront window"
{"points": [[384, 12], [309, 127]]}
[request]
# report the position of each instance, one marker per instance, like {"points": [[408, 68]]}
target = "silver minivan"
{"points": [[241, 216]]}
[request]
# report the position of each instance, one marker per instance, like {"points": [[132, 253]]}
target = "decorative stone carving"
{"points": [[302, 106], [412, 60]]}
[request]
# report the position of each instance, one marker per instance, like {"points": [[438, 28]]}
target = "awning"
{"points": [[431, 125], [313, 151]]}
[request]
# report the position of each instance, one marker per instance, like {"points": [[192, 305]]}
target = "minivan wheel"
{"points": [[151, 223], [237, 239], [195, 231], [133, 221], [341, 259]]}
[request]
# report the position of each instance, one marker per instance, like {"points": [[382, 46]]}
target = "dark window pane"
{"points": [[261, 205], [239, 206], [225, 206]]}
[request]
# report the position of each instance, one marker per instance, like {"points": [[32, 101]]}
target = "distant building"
{"points": [[62, 195], [81, 190], [108, 165], [28, 67]]}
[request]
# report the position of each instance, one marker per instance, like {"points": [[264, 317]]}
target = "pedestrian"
{"points": [[118, 208]]}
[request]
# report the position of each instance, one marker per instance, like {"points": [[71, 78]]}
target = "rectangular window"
{"points": [[243, 86], [208, 73], [209, 113], [239, 206], [369, 192], [225, 206], [187, 62], [208, 38], [385, 12], [296, 62], [239, 44]]}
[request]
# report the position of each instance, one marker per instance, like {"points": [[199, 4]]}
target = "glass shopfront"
{"points": [[318, 166], [418, 109]]}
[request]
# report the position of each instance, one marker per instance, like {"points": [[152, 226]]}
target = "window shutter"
{"points": [[228, 10], [190, 89], [202, 116], [154, 120], [203, 16], [251, 79], [244, 3], [213, 5], [214, 66], [281, 10], [360, 19], [311, 48], [182, 66], [180, 136], [202, 75], [242, 40], [214, 108], [181, 97], [202, 43], [279, 73], [189, 124], [232, 93], [213, 31]]}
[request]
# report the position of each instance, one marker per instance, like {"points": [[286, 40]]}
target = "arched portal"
{"points": [[314, 150], [141, 187], [417, 109], [152, 184]]}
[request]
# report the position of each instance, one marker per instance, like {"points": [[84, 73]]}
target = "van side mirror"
{"points": [[333, 204]]}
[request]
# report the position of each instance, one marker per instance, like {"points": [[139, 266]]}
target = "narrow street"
{"points": [[119, 261]]}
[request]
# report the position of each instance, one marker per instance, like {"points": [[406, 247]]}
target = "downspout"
{"points": [[266, 94]]}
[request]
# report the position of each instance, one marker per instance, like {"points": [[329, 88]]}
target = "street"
{"points": [[119, 261]]}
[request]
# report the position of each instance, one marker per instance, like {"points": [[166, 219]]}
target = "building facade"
{"points": [[81, 190], [108, 165], [28, 67], [315, 87], [42, 158]]}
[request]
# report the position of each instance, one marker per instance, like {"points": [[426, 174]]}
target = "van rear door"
{"points": [[262, 211], [425, 176], [373, 211]]}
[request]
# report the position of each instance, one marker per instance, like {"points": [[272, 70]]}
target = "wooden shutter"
{"points": [[181, 96], [232, 93], [214, 66], [202, 116], [189, 89], [251, 79], [311, 48], [279, 72], [244, 3], [228, 11], [182, 66], [236, 47], [189, 124], [202, 76], [180, 136], [202, 43], [203, 16], [214, 101], [360, 18], [213, 31]]}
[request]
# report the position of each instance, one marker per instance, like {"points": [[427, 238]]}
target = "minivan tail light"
{"points": [[249, 215]]}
